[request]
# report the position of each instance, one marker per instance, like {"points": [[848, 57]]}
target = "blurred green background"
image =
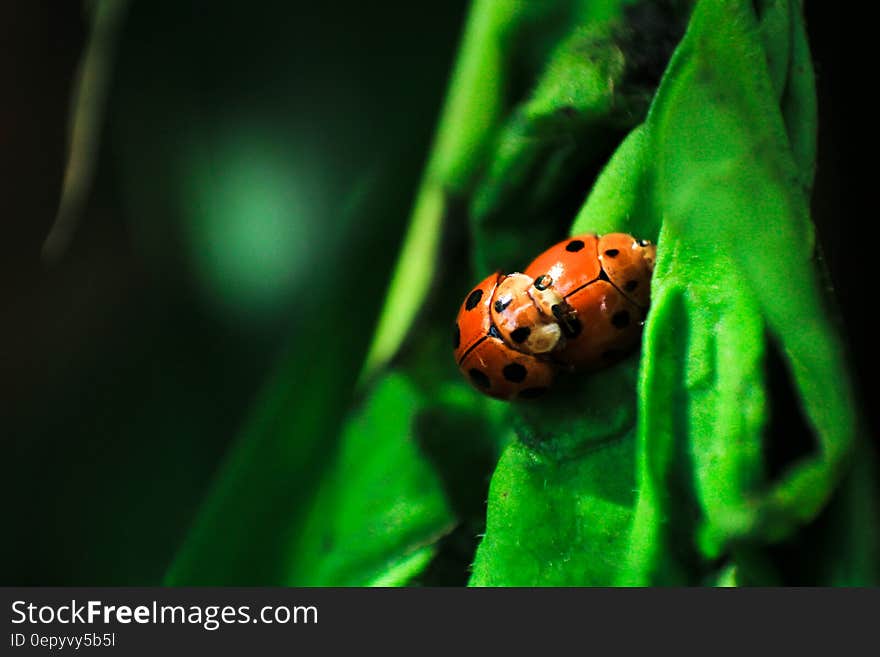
{"points": [[219, 241]]}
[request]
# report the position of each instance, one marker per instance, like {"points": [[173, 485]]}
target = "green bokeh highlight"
{"points": [[254, 232]]}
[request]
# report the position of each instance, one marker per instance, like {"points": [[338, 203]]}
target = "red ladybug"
{"points": [[579, 305], [489, 362]]}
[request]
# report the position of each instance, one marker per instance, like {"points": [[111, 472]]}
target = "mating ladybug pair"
{"points": [[580, 305]]}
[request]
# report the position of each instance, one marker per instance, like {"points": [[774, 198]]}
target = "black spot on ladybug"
{"points": [[514, 372], [543, 282], [574, 246], [611, 354], [501, 304], [602, 275], [631, 285], [456, 337], [521, 334], [494, 332], [612, 253], [620, 319], [473, 299], [532, 393], [479, 378]]}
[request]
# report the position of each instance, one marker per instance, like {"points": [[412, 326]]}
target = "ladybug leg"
{"points": [[568, 319]]}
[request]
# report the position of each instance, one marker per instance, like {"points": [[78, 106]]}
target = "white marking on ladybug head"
{"points": [[544, 338]]}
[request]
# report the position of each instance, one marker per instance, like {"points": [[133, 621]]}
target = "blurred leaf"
{"points": [[620, 198], [726, 577], [241, 534], [380, 507], [254, 511], [87, 119], [471, 109], [853, 537], [775, 31], [799, 110]]}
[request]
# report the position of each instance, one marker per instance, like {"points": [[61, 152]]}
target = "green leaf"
{"points": [[775, 31], [620, 198], [380, 508], [560, 503], [547, 142], [595, 86], [472, 109], [799, 105], [728, 186]]}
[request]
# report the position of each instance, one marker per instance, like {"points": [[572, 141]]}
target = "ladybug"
{"points": [[580, 305], [487, 359], [605, 284]]}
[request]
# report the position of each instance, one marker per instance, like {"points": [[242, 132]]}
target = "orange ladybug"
{"points": [[490, 362], [580, 305], [605, 284]]}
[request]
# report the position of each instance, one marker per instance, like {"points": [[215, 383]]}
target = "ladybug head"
{"points": [[521, 320]]}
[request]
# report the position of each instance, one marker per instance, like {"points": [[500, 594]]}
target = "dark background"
{"points": [[128, 365]]}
